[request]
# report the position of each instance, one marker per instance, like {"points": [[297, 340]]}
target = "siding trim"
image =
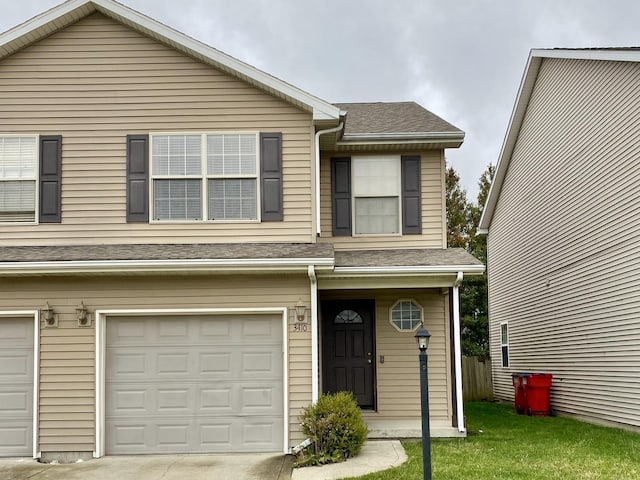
{"points": [[36, 368], [100, 352]]}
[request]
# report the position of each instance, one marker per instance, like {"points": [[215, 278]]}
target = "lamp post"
{"points": [[422, 340]]}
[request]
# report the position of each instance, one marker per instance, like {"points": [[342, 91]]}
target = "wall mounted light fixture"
{"points": [[301, 311], [49, 316], [83, 315]]}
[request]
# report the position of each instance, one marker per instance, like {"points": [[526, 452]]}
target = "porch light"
{"points": [[49, 315], [83, 315], [422, 337], [422, 340], [301, 310]]}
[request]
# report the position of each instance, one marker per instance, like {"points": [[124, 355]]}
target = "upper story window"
{"points": [[205, 176], [18, 178], [376, 195]]}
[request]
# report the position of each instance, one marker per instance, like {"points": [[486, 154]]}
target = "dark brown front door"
{"points": [[348, 355]]}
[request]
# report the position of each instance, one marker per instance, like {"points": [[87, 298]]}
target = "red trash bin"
{"points": [[537, 394], [519, 380]]}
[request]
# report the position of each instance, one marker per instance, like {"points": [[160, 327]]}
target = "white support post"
{"points": [[458, 352], [315, 372]]}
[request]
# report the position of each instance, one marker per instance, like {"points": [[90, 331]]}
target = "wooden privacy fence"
{"points": [[476, 379]]}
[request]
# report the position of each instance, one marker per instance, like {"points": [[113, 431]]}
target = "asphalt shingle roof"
{"points": [[405, 258], [166, 252], [392, 117]]}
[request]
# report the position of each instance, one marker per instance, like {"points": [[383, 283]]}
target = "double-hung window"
{"points": [[18, 178], [504, 343], [376, 193], [212, 176]]}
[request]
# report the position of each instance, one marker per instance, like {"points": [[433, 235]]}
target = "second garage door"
{"points": [[194, 384]]}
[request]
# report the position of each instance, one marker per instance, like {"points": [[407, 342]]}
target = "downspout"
{"points": [[314, 334], [458, 351], [317, 171]]}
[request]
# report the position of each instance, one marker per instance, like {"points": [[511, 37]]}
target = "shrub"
{"points": [[336, 429]]}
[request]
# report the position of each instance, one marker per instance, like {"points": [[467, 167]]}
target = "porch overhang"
{"points": [[405, 268]]}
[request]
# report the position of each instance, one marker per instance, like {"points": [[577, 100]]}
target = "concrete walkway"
{"points": [[155, 467], [376, 455]]}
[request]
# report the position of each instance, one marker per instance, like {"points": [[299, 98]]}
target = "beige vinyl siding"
{"points": [[398, 378], [97, 81], [433, 219], [67, 353], [563, 244]]}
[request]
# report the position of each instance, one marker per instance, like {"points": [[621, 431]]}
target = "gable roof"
{"points": [[71, 11], [395, 121], [536, 56]]}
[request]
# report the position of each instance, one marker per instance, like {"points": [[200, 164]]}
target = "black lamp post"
{"points": [[422, 339]]}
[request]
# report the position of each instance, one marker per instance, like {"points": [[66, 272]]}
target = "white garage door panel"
{"points": [[16, 387], [194, 384]]}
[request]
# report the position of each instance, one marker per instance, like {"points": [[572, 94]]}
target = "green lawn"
{"points": [[502, 445]]}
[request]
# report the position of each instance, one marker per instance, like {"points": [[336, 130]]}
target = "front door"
{"points": [[348, 355]]}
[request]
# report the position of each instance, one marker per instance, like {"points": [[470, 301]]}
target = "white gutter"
{"points": [[317, 170], [155, 266], [314, 335], [410, 270], [457, 349], [444, 136]]}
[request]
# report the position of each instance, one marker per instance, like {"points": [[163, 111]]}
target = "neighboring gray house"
{"points": [[563, 227]]}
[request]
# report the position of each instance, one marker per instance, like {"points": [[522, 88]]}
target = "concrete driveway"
{"points": [[155, 467]]}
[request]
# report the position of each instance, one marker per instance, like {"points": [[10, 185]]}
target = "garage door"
{"points": [[16, 387], [193, 384]]}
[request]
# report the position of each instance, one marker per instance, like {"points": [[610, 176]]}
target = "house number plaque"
{"points": [[300, 327]]}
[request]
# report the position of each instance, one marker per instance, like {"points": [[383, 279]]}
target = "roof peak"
{"points": [[71, 11]]}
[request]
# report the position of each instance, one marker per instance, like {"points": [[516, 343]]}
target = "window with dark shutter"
{"points": [[411, 195], [137, 178], [50, 204], [271, 177], [341, 196]]}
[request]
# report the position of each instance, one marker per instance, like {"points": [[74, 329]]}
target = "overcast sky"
{"points": [[461, 59]]}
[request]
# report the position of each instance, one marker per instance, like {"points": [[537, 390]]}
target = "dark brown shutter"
{"points": [[137, 178], [341, 196], [271, 177], [411, 196], [50, 179]]}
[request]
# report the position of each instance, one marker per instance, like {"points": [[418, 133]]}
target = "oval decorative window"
{"points": [[348, 316], [406, 315]]}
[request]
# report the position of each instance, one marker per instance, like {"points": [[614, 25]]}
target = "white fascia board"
{"points": [[589, 54], [161, 266], [405, 135], [409, 271], [513, 130], [453, 140], [70, 11]]}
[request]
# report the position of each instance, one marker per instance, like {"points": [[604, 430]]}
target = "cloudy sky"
{"points": [[461, 59]]}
